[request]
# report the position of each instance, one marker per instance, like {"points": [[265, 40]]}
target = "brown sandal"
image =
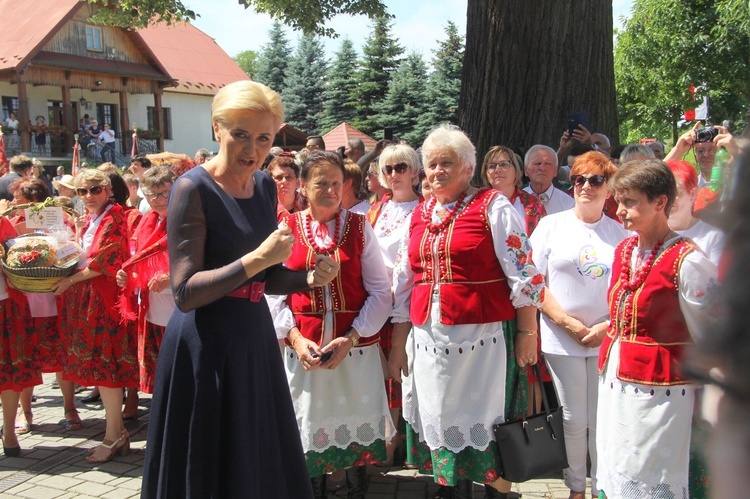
{"points": [[120, 446], [72, 424]]}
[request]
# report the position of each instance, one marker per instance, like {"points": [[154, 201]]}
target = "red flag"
{"points": [[134, 149], [3, 157], [76, 163]]}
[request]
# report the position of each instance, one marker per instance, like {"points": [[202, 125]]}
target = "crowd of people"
{"points": [[336, 310]]}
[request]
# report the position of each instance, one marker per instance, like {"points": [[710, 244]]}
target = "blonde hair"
{"points": [[92, 175], [397, 153], [246, 95]]}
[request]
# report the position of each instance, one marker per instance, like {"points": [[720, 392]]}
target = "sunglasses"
{"points": [[95, 191], [593, 180], [398, 168]]}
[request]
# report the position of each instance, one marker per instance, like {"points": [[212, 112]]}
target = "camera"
{"points": [[707, 134]]}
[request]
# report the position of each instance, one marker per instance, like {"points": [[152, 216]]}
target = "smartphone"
{"points": [[387, 133], [576, 119], [324, 358]]}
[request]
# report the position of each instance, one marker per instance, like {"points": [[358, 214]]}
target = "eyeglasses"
{"points": [[502, 165], [95, 191], [284, 178], [594, 180], [398, 168], [153, 196]]}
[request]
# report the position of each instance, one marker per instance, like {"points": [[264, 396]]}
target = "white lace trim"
{"points": [[650, 485], [343, 432]]}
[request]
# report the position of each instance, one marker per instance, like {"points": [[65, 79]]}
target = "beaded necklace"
{"points": [[437, 227], [330, 247]]}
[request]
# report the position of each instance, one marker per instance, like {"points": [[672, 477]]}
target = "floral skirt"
{"points": [[18, 366], [51, 346], [149, 342], [333, 458]]}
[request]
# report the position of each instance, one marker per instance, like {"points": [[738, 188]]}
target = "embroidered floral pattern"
{"points": [[532, 207], [518, 251], [333, 458]]}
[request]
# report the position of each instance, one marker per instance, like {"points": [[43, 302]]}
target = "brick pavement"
{"points": [[53, 465]]}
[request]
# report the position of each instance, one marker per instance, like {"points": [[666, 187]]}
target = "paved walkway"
{"points": [[53, 465]]}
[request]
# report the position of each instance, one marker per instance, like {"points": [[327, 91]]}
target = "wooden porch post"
{"points": [[68, 118], [157, 118], [125, 131], [23, 114]]}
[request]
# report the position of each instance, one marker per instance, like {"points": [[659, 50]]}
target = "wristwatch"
{"points": [[354, 339]]}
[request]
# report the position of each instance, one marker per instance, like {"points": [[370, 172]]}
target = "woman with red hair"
{"points": [[681, 219]]}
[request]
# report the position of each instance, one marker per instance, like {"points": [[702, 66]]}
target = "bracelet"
{"points": [[527, 332]]}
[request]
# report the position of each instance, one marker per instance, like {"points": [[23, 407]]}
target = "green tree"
{"points": [[340, 88], [445, 81], [309, 17], [665, 47], [303, 93], [381, 56], [248, 61], [405, 101], [274, 59]]}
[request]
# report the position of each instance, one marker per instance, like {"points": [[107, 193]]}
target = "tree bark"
{"points": [[529, 64]]}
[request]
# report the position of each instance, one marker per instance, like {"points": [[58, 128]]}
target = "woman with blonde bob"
{"points": [[100, 351], [222, 422]]}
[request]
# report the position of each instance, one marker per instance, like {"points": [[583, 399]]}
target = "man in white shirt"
{"points": [[540, 165]]}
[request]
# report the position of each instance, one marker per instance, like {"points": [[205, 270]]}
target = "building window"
{"points": [[166, 121], [94, 38], [10, 105], [107, 113]]}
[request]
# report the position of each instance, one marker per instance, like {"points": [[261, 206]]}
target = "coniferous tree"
{"points": [[444, 85], [274, 59], [381, 57], [405, 101], [303, 93], [341, 86]]}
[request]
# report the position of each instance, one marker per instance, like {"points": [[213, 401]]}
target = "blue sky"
{"points": [[418, 24]]}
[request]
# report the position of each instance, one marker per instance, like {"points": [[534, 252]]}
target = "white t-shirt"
{"points": [[708, 238], [553, 199], [576, 260]]}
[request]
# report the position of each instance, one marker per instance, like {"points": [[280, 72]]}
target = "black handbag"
{"points": [[532, 446]]}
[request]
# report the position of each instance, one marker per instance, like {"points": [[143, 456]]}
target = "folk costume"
{"points": [[152, 311], [468, 270], [100, 351], [645, 403], [342, 414]]}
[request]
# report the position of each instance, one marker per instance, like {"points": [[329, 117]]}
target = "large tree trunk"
{"points": [[530, 63]]}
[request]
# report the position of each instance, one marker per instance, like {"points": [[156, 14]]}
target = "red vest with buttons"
{"points": [[347, 290], [461, 261], [653, 339]]}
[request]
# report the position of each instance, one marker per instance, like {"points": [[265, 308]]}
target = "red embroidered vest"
{"points": [[653, 339], [347, 290], [473, 286]]}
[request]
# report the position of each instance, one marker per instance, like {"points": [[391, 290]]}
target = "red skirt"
{"points": [[51, 351], [392, 388], [100, 350], [18, 343], [149, 342]]}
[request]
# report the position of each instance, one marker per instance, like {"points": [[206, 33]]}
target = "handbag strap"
{"points": [[545, 402], [514, 396]]}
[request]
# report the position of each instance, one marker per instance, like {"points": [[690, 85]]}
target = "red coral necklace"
{"points": [[330, 247], [642, 272], [437, 227]]}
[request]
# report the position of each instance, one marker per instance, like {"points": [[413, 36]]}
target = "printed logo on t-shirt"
{"points": [[589, 264]]}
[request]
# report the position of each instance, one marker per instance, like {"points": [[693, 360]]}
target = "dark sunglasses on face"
{"points": [[399, 168], [95, 190], [593, 180]]}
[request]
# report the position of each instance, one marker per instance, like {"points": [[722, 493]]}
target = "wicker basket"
{"points": [[36, 279]]}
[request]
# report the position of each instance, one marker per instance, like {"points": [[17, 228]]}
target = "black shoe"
{"points": [[9, 451], [356, 482], [319, 487], [493, 493], [464, 489], [444, 492], [91, 398]]}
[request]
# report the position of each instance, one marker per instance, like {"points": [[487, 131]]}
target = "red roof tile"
{"points": [[191, 57], [342, 133]]}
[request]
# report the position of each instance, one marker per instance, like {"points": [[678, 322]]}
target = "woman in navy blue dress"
{"points": [[222, 422]]}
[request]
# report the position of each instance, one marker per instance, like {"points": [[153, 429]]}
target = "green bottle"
{"points": [[721, 160]]}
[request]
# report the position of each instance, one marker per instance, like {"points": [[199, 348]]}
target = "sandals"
{"points": [[25, 427], [74, 423], [120, 446]]}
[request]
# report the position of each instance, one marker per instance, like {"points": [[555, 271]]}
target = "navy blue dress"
{"points": [[222, 422]]}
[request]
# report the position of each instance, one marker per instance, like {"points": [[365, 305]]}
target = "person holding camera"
{"points": [[705, 144]]}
